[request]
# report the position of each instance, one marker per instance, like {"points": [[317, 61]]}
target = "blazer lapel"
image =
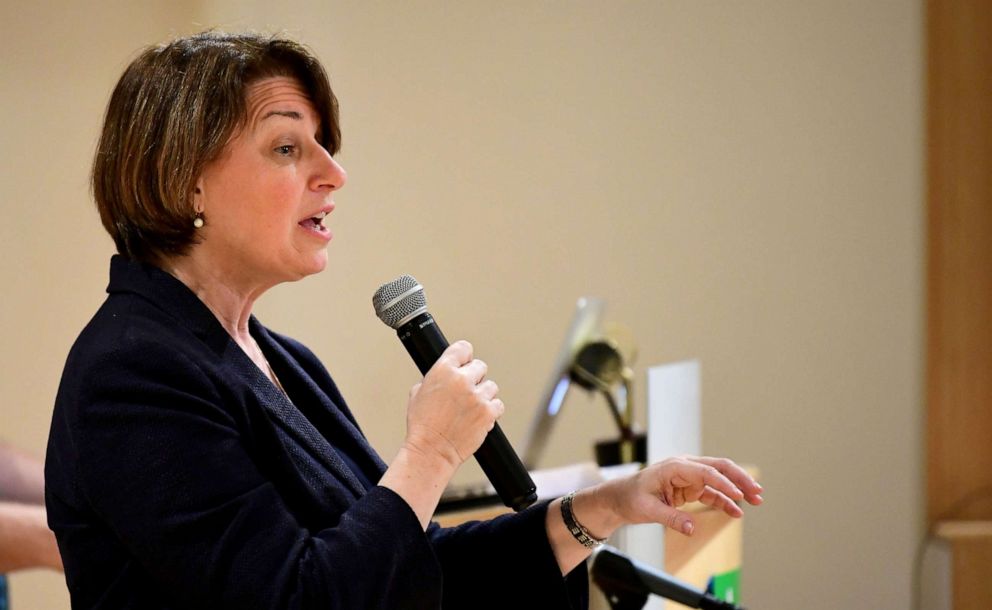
{"points": [[293, 422], [338, 418]]}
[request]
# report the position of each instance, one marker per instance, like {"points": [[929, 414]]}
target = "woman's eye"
{"points": [[285, 150]]}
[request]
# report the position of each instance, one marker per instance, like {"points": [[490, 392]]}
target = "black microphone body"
{"points": [[425, 342], [627, 583]]}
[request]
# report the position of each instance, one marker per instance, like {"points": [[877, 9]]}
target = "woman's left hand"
{"points": [[654, 494]]}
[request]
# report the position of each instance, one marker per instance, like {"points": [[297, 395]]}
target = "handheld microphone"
{"points": [[627, 583], [401, 305]]}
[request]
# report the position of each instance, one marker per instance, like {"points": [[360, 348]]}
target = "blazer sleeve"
{"points": [[506, 562], [166, 465]]}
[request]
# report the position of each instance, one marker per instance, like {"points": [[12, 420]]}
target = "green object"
{"points": [[727, 586]]}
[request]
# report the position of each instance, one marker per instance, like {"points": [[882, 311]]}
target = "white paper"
{"points": [[674, 414]]}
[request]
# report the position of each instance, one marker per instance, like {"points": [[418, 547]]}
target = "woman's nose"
{"points": [[330, 174]]}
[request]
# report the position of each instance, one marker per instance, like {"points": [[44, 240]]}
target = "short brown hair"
{"points": [[173, 111]]}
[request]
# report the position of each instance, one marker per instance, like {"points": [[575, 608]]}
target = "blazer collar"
{"points": [[168, 294]]}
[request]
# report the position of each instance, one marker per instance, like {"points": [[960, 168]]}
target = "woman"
{"points": [[197, 459]]}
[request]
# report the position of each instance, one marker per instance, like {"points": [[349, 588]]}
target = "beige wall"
{"points": [[59, 60], [742, 181]]}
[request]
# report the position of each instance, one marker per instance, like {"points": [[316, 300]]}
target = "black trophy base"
{"points": [[620, 451]]}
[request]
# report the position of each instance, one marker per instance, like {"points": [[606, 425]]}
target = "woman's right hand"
{"points": [[448, 417], [452, 410]]}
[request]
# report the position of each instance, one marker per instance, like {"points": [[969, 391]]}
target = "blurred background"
{"points": [[742, 182]]}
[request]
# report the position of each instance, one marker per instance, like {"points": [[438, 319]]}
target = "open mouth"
{"points": [[315, 223]]}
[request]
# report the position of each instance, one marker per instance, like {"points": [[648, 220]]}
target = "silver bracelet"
{"points": [[578, 531]]}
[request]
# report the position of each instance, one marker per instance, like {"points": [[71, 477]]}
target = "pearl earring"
{"points": [[198, 221]]}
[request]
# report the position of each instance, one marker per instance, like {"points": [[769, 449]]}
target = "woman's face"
{"points": [[265, 198]]}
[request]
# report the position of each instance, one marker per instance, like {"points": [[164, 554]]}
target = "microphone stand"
{"points": [[618, 580], [627, 584]]}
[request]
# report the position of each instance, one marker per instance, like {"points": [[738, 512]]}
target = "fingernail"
{"points": [[687, 528]]}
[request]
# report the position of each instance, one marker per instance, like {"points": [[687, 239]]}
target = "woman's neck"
{"points": [[230, 301]]}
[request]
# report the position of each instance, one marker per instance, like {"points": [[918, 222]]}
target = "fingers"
{"points": [[675, 519], [462, 377], [715, 482], [458, 358], [475, 371], [714, 499], [414, 390], [691, 473], [742, 480], [457, 354], [487, 390], [655, 493], [498, 408], [452, 410], [681, 521]]}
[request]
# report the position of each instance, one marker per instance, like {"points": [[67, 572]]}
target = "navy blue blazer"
{"points": [[178, 476]]}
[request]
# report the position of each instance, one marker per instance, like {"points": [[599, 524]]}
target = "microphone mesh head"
{"points": [[399, 300]]}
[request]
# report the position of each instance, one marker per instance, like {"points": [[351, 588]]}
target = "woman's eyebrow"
{"points": [[286, 113], [292, 114]]}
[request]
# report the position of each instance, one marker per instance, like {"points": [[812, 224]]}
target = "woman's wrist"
{"points": [[592, 508], [420, 479], [575, 527]]}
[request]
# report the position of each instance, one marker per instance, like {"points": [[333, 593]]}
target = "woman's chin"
{"points": [[299, 266], [317, 264]]}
